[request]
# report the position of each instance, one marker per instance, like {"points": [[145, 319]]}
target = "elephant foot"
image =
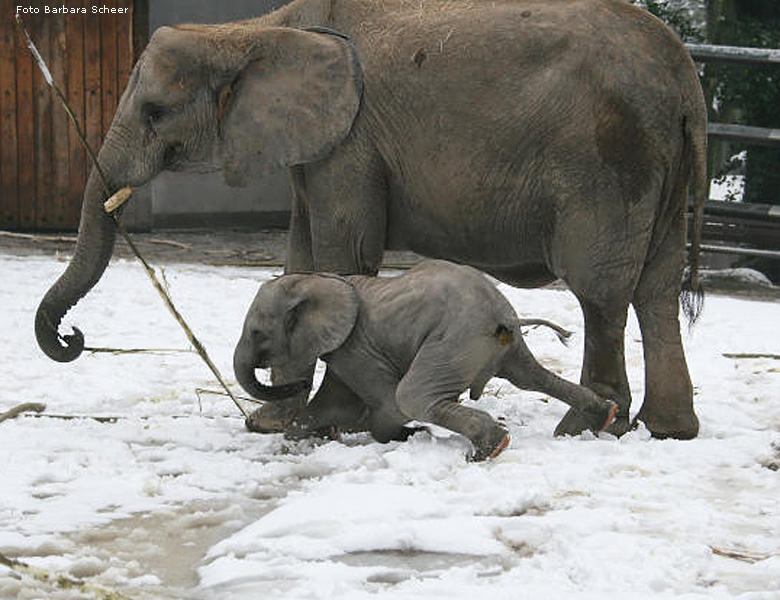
{"points": [[273, 417], [491, 445], [664, 426], [609, 419]]}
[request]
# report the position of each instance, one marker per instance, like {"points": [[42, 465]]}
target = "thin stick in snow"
{"points": [[22, 408]]}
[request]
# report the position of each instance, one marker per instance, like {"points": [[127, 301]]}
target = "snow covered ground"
{"points": [[174, 499]]}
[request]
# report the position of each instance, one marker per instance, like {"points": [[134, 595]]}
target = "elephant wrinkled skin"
{"points": [[407, 346], [531, 139]]}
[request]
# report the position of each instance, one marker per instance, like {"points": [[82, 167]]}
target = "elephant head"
{"points": [[292, 321], [240, 96]]}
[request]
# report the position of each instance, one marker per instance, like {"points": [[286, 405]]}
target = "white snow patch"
{"points": [[176, 500]]}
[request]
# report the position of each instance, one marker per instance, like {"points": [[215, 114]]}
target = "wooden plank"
{"points": [[108, 66], [77, 169], [9, 201], [42, 95], [124, 46], [93, 116], [25, 126], [60, 133], [140, 11]]}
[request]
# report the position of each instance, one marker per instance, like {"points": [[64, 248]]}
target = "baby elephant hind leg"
{"points": [[429, 393], [524, 371], [488, 437]]}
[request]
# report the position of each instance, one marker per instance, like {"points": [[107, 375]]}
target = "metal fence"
{"points": [[741, 228]]}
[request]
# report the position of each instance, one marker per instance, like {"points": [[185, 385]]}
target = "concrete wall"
{"points": [[203, 200]]}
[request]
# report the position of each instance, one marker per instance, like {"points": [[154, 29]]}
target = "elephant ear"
{"points": [[320, 315], [292, 101]]}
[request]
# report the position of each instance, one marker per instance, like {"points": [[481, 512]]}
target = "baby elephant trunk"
{"points": [[244, 369]]}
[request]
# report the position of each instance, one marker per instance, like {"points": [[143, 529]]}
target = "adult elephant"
{"points": [[534, 140]]}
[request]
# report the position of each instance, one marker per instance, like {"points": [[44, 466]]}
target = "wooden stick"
{"points": [[138, 350], [99, 419], [118, 199], [751, 355], [22, 408], [748, 557], [102, 176], [200, 391], [38, 238], [65, 239], [160, 242]]}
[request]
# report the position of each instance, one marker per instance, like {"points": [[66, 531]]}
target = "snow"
{"points": [[728, 188], [175, 499]]}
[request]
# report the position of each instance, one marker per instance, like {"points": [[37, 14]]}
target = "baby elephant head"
{"points": [[292, 321]]}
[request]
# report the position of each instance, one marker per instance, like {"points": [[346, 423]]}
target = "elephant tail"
{"points": [[692, 299], [562, 334]]}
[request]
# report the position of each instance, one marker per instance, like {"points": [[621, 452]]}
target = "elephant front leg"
{"points": [[299, 257], [278, 416], [334, 408], [347, 210]]}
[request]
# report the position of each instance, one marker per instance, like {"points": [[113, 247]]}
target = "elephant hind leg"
{"points": [[667, 410], [488, 437], [600, 258], [524, 371], [603, 365]]}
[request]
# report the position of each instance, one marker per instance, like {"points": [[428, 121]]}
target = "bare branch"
{"points": [[22, 408]]}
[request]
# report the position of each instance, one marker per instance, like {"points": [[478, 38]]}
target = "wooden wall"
{"points": [[43, 167]]}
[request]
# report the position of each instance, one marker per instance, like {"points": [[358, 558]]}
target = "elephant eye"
{"points": [[155, 113]]}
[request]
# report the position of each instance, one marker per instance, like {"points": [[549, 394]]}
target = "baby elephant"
{"points": [[408, 346]]}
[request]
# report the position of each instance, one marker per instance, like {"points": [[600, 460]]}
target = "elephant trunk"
{"points": [[244, 368], [95, 244]]}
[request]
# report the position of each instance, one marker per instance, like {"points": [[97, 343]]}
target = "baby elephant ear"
{"points": [[292, 101], [322, 312]]}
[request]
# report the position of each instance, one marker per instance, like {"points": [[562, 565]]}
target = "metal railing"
{"points": [[735, 225], [735, 55]]}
